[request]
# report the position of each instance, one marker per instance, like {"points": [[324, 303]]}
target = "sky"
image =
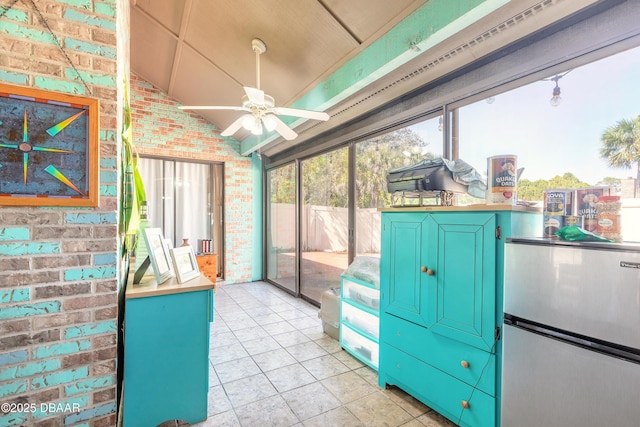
{"points": [[550, 141]]}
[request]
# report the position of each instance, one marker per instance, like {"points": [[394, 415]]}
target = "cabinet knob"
{"points": [[464, 364], [465, 404], [426, 270]]}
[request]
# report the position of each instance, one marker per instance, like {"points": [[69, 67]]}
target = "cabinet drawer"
{"points": [[438, 390], [462, 361], [369, 297], [359, 346], [359, 319]]}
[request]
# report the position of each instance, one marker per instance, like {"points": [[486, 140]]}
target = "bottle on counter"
{"points": [[609, 218]]}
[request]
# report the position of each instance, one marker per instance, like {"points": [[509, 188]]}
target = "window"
{"points": [[185, 201], [374, 158]]}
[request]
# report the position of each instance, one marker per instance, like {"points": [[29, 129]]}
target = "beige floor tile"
{"points": [[227, 353], [249, 389], [350, 361], [291, 338], [289, 377], [275, 359], [434, 419], [324, 367], [407, 402], [225, 419], [339, 417], [310, 400], [272, 411], [329, 344], [349, 387], [306, 351], [368, 374], [260, 345], [236, 369], [248, 334], [278, 327], [378, 410], [268, 371], [217, 401]]}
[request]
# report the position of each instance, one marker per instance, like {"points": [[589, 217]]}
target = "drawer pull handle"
{"points": [[426, 270], [464, 364], [465, 404]]}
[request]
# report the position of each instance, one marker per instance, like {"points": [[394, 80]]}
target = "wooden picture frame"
{"points": [[49, 148], [185, 263], [158, 255]]}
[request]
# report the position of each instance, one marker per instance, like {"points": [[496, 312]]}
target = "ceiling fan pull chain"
{"points": [[257, 69]]}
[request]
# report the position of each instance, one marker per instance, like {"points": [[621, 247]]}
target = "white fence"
{"points": [[324, 228]]}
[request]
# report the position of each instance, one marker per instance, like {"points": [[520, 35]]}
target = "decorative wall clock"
{"points": [[48, 148]]}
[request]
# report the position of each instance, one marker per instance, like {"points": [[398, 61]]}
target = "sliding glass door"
{"points": [[324, 222], [281, 226]]}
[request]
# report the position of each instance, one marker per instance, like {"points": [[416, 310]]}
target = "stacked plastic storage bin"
{"points": [[360, 310]]}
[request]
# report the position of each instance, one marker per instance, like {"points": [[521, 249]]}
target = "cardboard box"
{"points": [[330, 312]]}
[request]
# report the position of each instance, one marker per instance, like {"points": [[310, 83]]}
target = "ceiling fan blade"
{"points": [[256, 96], [212, 107], [307, 114], [234, 127], [284, 130]]}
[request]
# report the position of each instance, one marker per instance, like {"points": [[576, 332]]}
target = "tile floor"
{"points": [[272, 365]]}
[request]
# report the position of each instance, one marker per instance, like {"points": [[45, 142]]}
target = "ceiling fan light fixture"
{"points": [[248, 122], [261, 114], [269, 122]]}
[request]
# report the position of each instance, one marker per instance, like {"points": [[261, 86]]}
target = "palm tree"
{"points": [[621, 145]]}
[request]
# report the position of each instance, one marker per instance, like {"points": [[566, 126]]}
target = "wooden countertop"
{"points": [[149, 288], [468, 208]]}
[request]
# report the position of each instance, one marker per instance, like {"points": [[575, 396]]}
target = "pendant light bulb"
{"points": [[556, 99]]}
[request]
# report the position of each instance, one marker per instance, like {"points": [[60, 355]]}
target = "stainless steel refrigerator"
{"points": [[571, 336]]}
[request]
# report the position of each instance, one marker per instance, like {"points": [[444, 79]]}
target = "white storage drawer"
{"points": [[360, 346], [362, 294], [360, 319]]}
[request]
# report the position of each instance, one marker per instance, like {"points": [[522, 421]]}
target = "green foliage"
{"points": [[325, 177], [534, 190], [133, 192], [621, 144]]}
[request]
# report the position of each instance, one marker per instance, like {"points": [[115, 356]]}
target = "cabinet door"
{"points": [[461, 251], [403, 291]]}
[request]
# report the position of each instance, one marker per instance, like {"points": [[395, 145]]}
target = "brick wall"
{"points": [[58, 281], [161, 129]]}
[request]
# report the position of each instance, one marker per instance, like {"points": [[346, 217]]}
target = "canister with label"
{"points": [[578, 221], [609, 224], [586, 200], [502, 180], [551, 224]]}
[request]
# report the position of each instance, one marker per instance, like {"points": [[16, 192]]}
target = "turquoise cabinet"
{"points": [[441, 278], [166, 352]]}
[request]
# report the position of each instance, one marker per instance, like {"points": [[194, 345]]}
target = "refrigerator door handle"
{"points": [[611, 349]]}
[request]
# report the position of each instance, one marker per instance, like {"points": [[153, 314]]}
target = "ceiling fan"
{"points": [[260, 110]]}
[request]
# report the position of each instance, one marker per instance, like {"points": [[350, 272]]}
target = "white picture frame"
{"points": [[184, 263], [158, 255]]}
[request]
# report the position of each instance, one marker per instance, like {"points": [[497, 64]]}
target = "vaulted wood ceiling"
{"points": [[199, 51]]}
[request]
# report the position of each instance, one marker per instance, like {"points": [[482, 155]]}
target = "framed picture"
{"points": [[184, 263], [49, 148], [158, 255]]}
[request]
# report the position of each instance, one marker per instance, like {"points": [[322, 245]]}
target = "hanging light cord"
{"points": [[55, 39]]}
